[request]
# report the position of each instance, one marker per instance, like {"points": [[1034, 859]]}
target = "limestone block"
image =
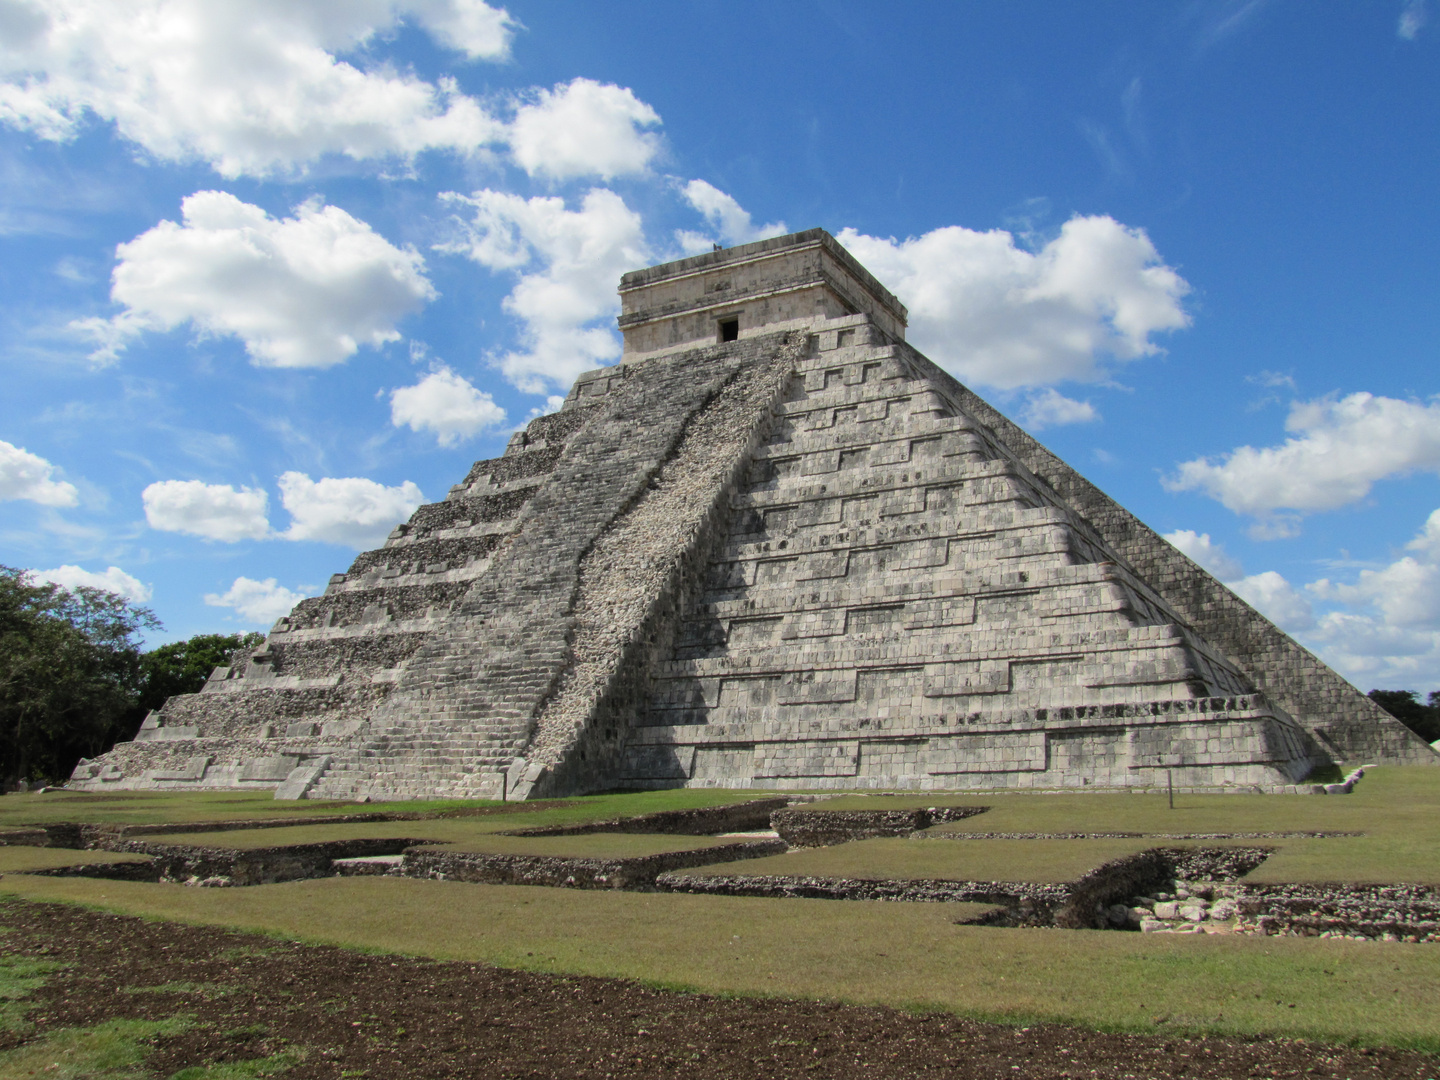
{"points": [[167, 733], [298, 782], [957, 754], [193, 769], [967, 678], [815, 687], [659, 762], [806, 759]]}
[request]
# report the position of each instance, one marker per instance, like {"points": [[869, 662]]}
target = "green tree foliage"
{"points": [[70, 673], [1405, 706], [183, 666]]}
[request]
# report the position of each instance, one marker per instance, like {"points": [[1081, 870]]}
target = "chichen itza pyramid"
{"points": [[774, 547]]}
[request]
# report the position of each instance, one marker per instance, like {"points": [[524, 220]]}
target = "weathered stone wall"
{"points": [[1347, 725], [644, 571], [326, 667], [503, 669], [782, 283], [897, 601]]}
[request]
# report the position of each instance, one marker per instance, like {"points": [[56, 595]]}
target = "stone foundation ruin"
{"points": [[775, 547]]}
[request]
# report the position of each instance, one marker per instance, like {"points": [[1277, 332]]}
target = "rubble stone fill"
{"points": [[775, 547]]}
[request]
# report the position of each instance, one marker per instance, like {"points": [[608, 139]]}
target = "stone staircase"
{"points": [[427, 759], [466, 705]]}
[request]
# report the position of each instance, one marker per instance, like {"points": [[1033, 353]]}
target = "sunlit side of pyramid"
{"points": [[775, 547]]}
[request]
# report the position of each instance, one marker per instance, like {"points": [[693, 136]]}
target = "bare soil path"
{"points": [[385, 1017]]}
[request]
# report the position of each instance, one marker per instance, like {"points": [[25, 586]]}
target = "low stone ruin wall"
{"points": [[1037, 900], [1384, 912], [636, 874], [751, 816], [175, 863], [820, 828], [1082, 904]]}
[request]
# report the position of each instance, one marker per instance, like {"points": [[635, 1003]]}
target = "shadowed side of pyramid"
{"points": [[774, 547]]}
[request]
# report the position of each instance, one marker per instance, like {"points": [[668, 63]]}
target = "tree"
{"points": [[70, 673], [182, 667], [1404, 705]]}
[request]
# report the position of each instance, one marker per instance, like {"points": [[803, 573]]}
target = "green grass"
{"points": [[971, 860], [20, 976], [188, 988], [904, 955], [1381, 793], [461, 834], [243, 1070], [1397, 808], [156, 807], [20, 860], [115, 1050]]}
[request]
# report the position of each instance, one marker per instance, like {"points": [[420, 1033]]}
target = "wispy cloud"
{"points": [[1413, 17]]}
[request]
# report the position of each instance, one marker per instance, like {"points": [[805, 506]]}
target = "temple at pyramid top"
{"points": [[788, 282], [775, 547]]}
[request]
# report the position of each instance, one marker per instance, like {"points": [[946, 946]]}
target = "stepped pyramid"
{"points": [[774, 547]]}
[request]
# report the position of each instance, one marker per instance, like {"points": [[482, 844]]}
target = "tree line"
{"points": [[1405, 706], [75, 678]]}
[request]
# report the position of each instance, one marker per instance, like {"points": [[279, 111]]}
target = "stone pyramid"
{"points": [[774, 547]]}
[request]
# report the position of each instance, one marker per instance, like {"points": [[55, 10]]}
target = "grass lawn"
{"points": [[155, 807], [1388, 798], [458, 834], [1396, 807], [969, 860], [906, 955], [20, 860]]}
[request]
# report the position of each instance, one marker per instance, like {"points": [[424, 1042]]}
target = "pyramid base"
{"points": [[1239, 743]]}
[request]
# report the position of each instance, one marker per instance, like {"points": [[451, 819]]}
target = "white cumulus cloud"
{"points": [[251, 87], [351, 510], [28, 476], [1209, 554], [1428, 542], [1050, 408], [1381, 629], [1338, 449], [1406, 592], [729, 220], [995, 314], [1387, 629], [447, 404], [303, 291], [584, 128], [479, 31], [257, 602], [569, 264], [211, 511], [111, 579]]}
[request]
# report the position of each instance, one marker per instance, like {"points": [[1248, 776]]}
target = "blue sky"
{"points": [[274, 272]]}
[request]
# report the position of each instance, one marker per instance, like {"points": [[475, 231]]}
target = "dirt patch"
{"points": [[404, 1019]]}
